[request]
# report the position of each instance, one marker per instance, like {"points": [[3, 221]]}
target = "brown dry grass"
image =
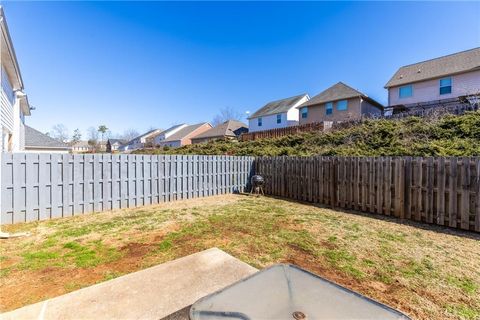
{"points": [[427, 272]]}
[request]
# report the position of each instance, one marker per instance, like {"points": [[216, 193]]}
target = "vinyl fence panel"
{"points": [[45, 186]]}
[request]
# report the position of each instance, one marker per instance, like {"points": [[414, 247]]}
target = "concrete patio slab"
{"points": [[152, 293]]}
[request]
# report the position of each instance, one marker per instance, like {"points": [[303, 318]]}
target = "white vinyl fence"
{"points": [[46, 186]]}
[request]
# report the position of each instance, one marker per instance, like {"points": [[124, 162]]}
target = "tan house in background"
{"points": [[338, 103], [184, 136], [227, 130], [437, 81], [81, 146]]}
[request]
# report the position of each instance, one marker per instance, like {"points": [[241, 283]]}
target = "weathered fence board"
{"points": [[45, 186], [443, 191]]}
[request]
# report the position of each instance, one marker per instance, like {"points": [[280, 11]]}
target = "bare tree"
{"points": [[59, 132], [227, 113], [92, 135], [129, 134]]}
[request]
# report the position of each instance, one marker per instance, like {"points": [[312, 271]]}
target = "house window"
{"points": [[279, 118], [405, 91], [259, 122], [446, 85], [329, 108], [342, 105], [304, 112]]}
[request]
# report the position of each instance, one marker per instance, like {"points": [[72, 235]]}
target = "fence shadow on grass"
{"points": [[404, 222]]}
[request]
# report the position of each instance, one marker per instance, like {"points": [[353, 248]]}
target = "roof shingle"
{"points": [[338, 91], [34, 138], [435, 68], [278, 106], [184, 132], [226, 129]]}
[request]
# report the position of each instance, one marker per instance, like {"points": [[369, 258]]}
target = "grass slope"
{"points": [[449, 135], [427, 272]]}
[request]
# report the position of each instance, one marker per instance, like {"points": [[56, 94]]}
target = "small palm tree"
{"points": [[102, 129]]}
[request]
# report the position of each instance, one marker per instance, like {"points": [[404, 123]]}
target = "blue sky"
{"points": [[153, 64]]}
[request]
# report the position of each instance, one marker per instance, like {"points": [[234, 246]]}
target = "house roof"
{"points": [[459, 62], [278, 106], [226, 129], [338, 91], [172, 128], [185, 132], [146, 134], [10, 50], [80, 144], [120, 141], [34, 138], [10, 62]]}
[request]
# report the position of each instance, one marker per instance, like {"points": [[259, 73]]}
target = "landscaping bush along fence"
{"points": [[442, 191], [45, 186]]}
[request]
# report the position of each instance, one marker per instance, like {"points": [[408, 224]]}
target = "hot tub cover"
{"points": [[288, 292]]}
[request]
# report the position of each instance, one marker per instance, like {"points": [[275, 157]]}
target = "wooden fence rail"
{"points": [[442, 191], [44, 186], [280, 132]]}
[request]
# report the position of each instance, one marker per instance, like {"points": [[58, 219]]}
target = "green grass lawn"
{"points": [[427, 272]]}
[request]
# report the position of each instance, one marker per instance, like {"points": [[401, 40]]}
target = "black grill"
{"points": [[257, 184]]}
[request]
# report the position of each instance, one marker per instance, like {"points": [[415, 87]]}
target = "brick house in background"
{"points": [[184, 136], [340, 102], [440, 81]]}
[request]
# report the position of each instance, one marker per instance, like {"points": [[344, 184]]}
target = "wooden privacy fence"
{"points": [[44, 186], [442, 191], [280, 132]]}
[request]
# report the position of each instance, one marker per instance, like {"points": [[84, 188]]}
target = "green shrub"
{"points": [[449, 135]]}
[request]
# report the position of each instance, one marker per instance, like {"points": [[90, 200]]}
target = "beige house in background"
{"points": [[81, 146], [340, 102], [437, 81]]}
